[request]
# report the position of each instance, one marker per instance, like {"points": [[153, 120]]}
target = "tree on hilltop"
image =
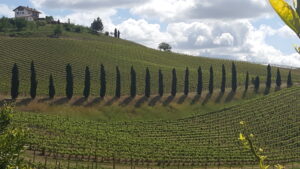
{"points": [[164, 46], [97, 25]]}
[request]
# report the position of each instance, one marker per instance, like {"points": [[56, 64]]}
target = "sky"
{"points": [[244, 30]]}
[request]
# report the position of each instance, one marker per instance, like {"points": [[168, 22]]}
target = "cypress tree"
{"points": [[174, 83], [133, 82], [247, 81], [289, 80], [33, 81], [269, 78], [116, 33], [278, 79], [211, 80], [186, 81], [15, 82], [51, 87], [147, 83], [234, 78], [118, 83], [70, 83], [223, 83], [256, 84], [102, 81], [87, 83], [160, 83], [200, 82]]}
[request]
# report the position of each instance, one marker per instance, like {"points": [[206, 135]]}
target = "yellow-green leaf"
{"points": [[287, 14]]}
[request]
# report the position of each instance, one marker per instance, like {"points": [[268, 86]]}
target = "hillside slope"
{"points": [[208, 139], [80, 50]]}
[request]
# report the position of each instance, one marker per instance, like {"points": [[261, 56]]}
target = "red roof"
{"points": [[29, 9]]}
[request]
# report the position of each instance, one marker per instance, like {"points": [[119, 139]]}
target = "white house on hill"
{"points": [[27, 13]]}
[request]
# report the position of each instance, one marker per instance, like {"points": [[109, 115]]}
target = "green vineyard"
{"points": [[52, 55], [209, 139]]}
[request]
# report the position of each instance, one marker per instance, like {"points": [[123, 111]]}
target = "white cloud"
{"points": [[205, 9], [224, 39], [85, 4], [238, 40], [143, 32], [86, 18], [6, 11]]}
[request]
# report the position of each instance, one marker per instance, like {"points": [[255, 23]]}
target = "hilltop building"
{"points": [[27, 13]]}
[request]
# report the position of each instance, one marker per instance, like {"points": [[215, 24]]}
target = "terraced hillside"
{"points": [[51, 56], [206, 139]]}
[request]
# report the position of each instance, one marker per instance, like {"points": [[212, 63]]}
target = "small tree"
{"points": [[256, 84], [164, 46], [97, 25], [289, 80], [147, 84], [57, 31], [116, 33], [174, 83], [186, 81], [234, 78], [20, 23], [119, 34], [51, 87], [15, 82], [87, 83], [247, 81], [160, 83], [211, 80], [269, 78], [102, 81], [118, 83], [278, 79], [33, 81], [223, 83], [70, 83], [133, 83], [200, 82]]}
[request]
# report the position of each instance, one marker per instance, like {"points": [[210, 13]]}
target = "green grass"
{"points": [[204, 139], [84, 49]]}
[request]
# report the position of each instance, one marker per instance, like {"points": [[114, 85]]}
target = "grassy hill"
{"points": [[209, 139], [84, 49]]}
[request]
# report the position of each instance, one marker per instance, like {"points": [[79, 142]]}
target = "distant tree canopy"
{"points": [[97, 25], [164, 46]]}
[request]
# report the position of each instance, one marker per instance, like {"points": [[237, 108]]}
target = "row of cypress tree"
{"points": [[147, 92]]}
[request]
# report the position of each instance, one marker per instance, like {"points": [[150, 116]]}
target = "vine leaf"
{"points": [[287, 14]]}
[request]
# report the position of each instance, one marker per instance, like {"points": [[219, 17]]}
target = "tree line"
{"points": [[147, 93]]}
